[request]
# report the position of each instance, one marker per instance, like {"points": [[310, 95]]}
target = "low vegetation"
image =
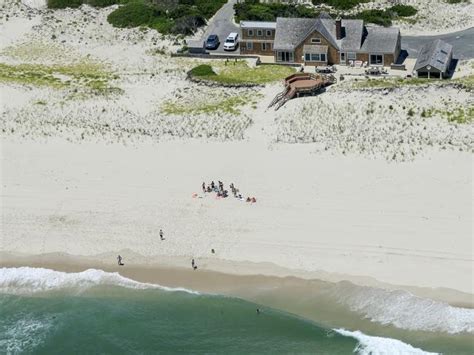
{"points": [[166, 16], [89, 77], [209, 104], [255, 10], [456, 114], [340, 4], [391, 83], [238, 72], [62, 4]]}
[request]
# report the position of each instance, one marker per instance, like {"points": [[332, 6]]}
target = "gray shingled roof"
{"points": [[353, 30], [436, 54], [380, 39], [291, 32]]}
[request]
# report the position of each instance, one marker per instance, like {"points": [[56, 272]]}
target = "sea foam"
{"points": [[404, 310], [372, 345], [27, 280]]}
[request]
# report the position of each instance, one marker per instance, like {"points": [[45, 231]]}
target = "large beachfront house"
{"points": [[321, 41]]}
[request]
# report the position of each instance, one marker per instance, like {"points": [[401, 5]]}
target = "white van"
{"points": [[231, 42]]}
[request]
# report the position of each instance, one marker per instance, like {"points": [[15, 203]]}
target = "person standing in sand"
{"points": [[119, 260], [162, 235]]}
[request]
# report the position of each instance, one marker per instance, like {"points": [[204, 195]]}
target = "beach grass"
{"points": [[86, 75], [239, 72], [392, 83], [210, 104], [459, 114]]}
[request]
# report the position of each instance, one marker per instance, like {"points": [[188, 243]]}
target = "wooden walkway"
{"points": [[301, 84]]}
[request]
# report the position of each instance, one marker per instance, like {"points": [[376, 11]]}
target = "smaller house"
{"points": [[257, 37], [434, 60]]}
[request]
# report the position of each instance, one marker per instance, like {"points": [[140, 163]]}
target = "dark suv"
{"points": [[212, 42]]}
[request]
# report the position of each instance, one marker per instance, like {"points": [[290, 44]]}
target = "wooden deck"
{"points": [[301, 84]]}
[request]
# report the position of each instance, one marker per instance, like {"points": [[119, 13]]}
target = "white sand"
{"points": [[407, 224], [99, 176]]}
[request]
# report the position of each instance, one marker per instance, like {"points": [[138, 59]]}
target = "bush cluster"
{"points": [[202, 70], [340, 4], [404, 10], [253, 10], [166, 16]]}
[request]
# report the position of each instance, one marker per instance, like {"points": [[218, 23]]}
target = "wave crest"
{"points": [[404, 310], [370, 345], [27, 280]]}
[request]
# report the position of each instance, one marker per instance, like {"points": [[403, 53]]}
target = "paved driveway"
{"points": [[221, 24], [462, 41]]}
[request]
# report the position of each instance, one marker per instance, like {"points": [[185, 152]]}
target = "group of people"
{"points": [[222, 192]]}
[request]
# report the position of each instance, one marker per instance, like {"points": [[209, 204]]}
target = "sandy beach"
{"points": [[361, 184]]}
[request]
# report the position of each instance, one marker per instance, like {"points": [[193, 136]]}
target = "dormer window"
{"points": [[316, 40]]}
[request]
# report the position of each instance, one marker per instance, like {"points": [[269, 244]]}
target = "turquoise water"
{"points": [[44, 311], [113, 319]]}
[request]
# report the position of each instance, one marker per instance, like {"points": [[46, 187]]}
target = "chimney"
{"points": [[338, 28]]}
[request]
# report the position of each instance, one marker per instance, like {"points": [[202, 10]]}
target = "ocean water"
{"points": [[49, 312]]}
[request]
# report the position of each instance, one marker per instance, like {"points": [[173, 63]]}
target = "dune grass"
{"points": [[90, 76], [210, 104], [455, 114], [392, 83], [238, 72]]}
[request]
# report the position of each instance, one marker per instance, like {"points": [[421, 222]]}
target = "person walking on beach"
{"points": [[161, 235], [119, 260], [193, 264], [204, 187]]}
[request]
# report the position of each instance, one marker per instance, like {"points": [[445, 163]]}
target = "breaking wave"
{"points": [[28, 280], [371, 345], [404, 310]]}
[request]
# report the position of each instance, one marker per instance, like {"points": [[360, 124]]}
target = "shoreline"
{"points": [[328, 304], [170, 272]]}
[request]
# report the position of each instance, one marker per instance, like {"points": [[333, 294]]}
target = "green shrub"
{"points": [[62, 4], [253, 10], [404, 10], [101, 3], [378, 17], [202, 70], [133, 14], [340, 4]]}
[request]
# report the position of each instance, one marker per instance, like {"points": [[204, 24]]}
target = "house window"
{"points": [[249, 46], [259, 33], [315, 57], [376, 59], [266, 46], [250, 33], [316, 40], [269, 33], [351, 56]]}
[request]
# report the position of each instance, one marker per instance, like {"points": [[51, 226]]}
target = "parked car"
{"points": [[231, 42], [212, 42]]}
